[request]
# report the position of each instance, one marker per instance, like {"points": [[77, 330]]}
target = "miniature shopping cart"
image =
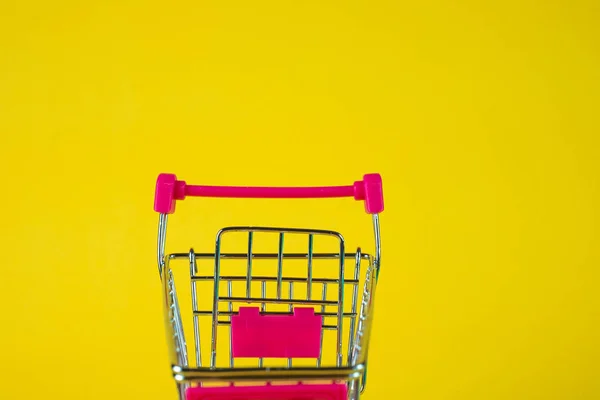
{"points": [[280, 325]]}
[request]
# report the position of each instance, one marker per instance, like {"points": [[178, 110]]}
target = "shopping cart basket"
{"points": [[269, 332]]}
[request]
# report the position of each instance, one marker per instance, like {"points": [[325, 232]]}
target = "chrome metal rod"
{"points": [[263, 295], [263, 309], [340, 318], [162, 239], [324, 327], [377, 230], [324, 297], [323, 314], [229, 291], [280, 266], [278, 230], [249, 267], [213, 342], [273, 279], [193, 269], [266, 374], [281, 301], [256, 256], [291, 309], [357, 261], [310, 267]]}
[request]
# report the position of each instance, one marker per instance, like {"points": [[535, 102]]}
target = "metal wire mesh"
{"points": [[307, 278]]}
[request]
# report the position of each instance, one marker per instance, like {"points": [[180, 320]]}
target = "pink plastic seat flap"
{"points": [[333, 391], [276, 336]]}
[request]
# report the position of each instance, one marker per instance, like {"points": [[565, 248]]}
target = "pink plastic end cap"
{"points": [[276, 336], [168, 190], [370, 189]]}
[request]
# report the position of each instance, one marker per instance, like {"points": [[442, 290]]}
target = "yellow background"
{"points": [[481, 117]]}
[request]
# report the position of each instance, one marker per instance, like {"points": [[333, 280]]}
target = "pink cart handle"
{"points": [[169, 190]]}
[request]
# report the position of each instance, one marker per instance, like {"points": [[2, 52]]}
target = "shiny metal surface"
{"points": [[175, 322], [193, 270], [350, 368], [309, 272], [291, 309], [267, 374], [230, 309], [357, 260], [265, 279], [266, 256], [323, 298], [249, 268], [279, 279], [377, 232], [280, 266], [162, 239]]}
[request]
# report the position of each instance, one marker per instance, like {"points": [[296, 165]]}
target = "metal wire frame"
{"points": [[354, 373], [280, 279]]}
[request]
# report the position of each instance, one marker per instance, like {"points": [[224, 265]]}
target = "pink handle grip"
{"points": [[169, 190]]}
